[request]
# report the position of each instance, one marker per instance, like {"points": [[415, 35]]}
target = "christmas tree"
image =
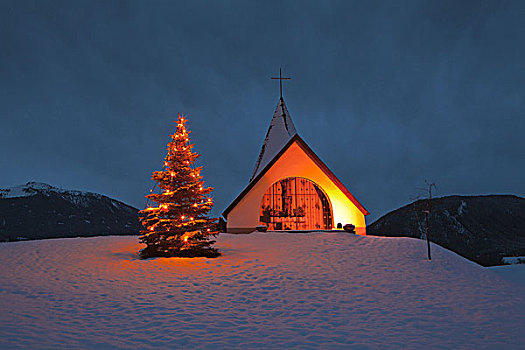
{"points": [[179, 226]]}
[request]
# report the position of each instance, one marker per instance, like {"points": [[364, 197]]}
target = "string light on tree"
{"points": [[180, 224]]}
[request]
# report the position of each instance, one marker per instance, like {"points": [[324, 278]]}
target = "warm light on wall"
{"points": [[295, 162]]}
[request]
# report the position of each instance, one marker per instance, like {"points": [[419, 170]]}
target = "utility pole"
{"points": [[428, 240], [427, 213]]}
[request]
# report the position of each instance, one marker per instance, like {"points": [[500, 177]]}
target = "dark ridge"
{"points": [[483, 229], [55, 213]]}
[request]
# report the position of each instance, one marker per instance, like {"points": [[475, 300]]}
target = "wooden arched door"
{"points": [[296, 203]]}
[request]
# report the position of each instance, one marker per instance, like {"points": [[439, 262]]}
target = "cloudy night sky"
{"points": [[388, 94]]}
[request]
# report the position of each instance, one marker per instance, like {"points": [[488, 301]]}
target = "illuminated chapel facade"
{"points": [[291, 188]]}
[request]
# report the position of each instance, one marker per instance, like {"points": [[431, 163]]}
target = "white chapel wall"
{"points": [[244, 217]]}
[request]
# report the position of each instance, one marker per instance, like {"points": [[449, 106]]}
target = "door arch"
{"points": [[296, 203]]}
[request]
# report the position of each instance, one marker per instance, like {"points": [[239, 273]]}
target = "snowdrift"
{"points": [[317, 290]]}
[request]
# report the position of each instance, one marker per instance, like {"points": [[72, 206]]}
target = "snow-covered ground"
{"points": [[318, 290], [513, 273]]}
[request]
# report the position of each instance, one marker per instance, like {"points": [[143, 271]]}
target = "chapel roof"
{"points": [[281, 131]]}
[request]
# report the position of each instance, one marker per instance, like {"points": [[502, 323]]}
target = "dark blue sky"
{"points": [[388, 94]]}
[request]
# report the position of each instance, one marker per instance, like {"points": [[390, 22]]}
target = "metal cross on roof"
{"points": [[281, 81]]}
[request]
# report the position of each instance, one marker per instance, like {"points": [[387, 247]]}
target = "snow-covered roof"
{"points": [[281, 130]]}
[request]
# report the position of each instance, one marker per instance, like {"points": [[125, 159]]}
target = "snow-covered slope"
{"points": [[271, 291], [513, 273]]}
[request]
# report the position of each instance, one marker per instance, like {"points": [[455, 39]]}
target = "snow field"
{"points": [[307, 291]]}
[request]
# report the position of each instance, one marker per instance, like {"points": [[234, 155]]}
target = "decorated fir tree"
{"points": [[179, 225]]}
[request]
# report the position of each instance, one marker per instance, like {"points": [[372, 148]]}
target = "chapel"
{"points": [[291, 189]]}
